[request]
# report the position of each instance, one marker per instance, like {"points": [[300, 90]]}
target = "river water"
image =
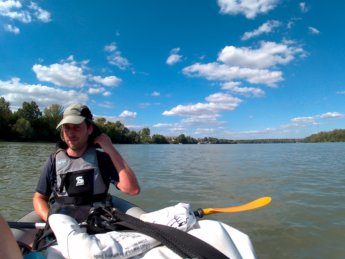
{"points": [[306, 218]]}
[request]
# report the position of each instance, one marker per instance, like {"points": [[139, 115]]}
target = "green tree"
{"points": [[5, 116], [337, 135], [4, 107], [100, 122], [54, 113], [181, 139], [29, 111], [159, 139], [133, 137], [52, 116], [122, 132], [145, 135], [116, 131], [191, 140], [23, 128]]}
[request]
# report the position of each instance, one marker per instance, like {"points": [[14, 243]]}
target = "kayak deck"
{"points": [[230, 241]]}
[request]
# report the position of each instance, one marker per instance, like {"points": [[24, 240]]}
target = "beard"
{"points": [[77, 145]]}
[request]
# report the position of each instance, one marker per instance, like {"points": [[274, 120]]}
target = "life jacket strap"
{"points": [[81, 200]]}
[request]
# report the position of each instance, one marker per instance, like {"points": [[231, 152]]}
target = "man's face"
{"points": [[76, 135]]}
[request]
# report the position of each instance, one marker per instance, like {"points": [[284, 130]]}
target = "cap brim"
{"points": [[72, 119]]}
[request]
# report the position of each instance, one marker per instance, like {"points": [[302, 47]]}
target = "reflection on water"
{"points": [[305, 220]]}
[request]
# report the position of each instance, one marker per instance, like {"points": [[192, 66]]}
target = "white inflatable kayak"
{"points": [[74, 243]]}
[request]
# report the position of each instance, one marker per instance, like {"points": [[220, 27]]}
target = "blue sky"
{"points": [[235, 69]]}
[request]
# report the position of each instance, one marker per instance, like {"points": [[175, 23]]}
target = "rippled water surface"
{"points": [[306, 218]]}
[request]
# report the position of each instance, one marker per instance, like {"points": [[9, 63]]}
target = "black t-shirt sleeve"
{"points": [[44, 185], [107, 167]]}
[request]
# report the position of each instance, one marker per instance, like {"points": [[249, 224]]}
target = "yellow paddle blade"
{"points": [[258, 203]]}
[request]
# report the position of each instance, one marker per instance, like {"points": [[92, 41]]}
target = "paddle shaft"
{"points": [[27, 225], [258, 203]]}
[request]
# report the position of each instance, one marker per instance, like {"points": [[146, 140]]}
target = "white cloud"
{"points": [[128, 114], [189, 122], [69, 73], [17, 10], [222, 72], [63, 74], [12, 9], [254, 134], [302, 120], [341, 92], [250, 8], [267, 27], [11, 28], [313, 30], [96, 90], [269, 54], [6, 6], [218, 102], [303, 7], [111, 47], [203, 119], [107, 93], [205, 131], [296, 128], [115, 56], [174, 128], [17, 92], [174, 57], [155, 94], [251, 65], [162, 125], [292, 22], [108, 105], [314, 119], [145, 105], [331, 115], [246, 91], [107, 81], [41, 14]]}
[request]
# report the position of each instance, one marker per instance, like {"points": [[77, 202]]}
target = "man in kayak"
{"points": [[79, 175]]}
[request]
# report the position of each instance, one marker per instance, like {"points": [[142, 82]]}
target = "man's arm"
{"points": [[43, 189], [128, 182], [41, 207]]}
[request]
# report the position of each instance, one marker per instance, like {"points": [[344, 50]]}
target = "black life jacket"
{"points": [[79, 180]]}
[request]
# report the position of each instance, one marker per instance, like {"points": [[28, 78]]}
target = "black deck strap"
{"points": [[182, 243]]}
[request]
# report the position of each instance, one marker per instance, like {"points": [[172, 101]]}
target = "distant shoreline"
{"points": [[337, 135]]}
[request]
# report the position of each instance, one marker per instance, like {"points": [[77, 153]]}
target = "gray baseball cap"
{"points": [[76, 114]]}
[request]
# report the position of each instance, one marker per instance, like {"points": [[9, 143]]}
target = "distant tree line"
{"points": [[337, 135], [29, 123]]}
